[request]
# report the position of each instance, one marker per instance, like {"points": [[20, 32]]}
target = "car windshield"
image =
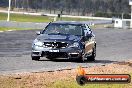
{"points": [[70, 29]]}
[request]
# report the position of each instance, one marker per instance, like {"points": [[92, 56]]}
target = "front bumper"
{"points": [[69, 52]]}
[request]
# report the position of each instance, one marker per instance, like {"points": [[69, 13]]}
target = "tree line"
{"points": [[74, 7]]}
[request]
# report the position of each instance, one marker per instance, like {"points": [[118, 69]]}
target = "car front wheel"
{"points": [[81, 58], [92, 57]]}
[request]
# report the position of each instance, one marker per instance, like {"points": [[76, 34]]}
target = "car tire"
{"points": [[92, 57], [81, 58], [36, 58]]}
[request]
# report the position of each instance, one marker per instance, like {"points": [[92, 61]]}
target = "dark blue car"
{"points": [[72, 40]]}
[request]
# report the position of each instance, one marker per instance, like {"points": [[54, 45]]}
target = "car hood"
{"points": [[46, 37]]}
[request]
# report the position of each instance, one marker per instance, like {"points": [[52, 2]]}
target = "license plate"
{"points": [[53, 50]]}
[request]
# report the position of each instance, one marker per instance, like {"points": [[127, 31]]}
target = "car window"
{"points": [[70, 29]]}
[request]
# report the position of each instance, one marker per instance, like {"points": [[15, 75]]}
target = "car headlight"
{"points": [[75, 44], [38, 43]]}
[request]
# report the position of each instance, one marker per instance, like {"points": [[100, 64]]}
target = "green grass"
{"points": [[73, 84], [30, 18], [25, 18], [12, 28]]}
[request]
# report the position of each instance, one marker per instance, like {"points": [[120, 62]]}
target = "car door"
{"points": [[89, 40]]}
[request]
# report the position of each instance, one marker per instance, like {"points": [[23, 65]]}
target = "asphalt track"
{"points": [[113, 45]]}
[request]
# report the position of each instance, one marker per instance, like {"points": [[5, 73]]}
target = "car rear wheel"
{"points": [[36, 58]]}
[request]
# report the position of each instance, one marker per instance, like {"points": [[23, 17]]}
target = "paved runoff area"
{"points": [[113, 45]]}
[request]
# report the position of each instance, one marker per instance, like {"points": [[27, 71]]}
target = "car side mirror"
{"points": [[38, 32], [86, 37]]}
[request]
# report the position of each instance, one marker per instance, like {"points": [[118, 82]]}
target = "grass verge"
{"points": [[12, 28], [73, 84], [25, 18], [18, 82], [30, 18]]}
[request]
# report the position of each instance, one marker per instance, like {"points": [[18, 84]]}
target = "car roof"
{"points": [[68, 22]]}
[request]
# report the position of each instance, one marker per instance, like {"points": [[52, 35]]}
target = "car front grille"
{"points": [[56, 44]]}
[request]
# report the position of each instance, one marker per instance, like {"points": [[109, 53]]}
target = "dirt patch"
{"points": [[45, 79]]}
